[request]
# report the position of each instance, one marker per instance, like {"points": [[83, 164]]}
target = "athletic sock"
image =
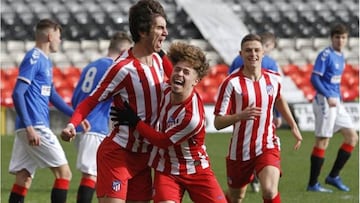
{"points": [[17, 194], [59, 191], [86, 190], [276, 199], [342, 157], [317, 160]]}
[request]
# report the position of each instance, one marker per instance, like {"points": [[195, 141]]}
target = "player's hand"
{"points": [[33, 136], [86, 125], [250, 113], [124, 116], [332, 101], [68, 133], [295, 131]]}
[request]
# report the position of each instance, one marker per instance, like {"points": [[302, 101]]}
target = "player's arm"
{"points": [[318, 85], [249, 113], [59, 103], [127, 116], [320, 88], [283, 107], [20, 106]]}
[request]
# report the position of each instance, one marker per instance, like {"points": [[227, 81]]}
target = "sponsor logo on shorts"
{"points": [[116, 185]]}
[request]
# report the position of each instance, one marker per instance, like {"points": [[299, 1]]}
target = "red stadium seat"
{"points": [[289, 69], [6, 98], [66, 94]]}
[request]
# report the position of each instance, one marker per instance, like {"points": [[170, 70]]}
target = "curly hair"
{"points": [[180, 51]]}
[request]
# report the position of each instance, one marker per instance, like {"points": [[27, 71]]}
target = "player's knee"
{"points": [[269, 193], [63, 172], [236, 196]]}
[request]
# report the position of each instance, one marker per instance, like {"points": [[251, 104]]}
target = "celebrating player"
{"points": [[123, 173], [246, 100], [88, 143]]}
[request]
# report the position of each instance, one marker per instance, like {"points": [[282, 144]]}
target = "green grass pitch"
{"points": [[295, 167]]}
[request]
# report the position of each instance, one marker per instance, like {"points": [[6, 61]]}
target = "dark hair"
{"points": [[251, 37], [267, 37], [117, 39], [141, 16], [193, 55], [46, 24], [338, 29]]}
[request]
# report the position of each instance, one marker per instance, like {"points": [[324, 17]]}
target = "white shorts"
{"points": [[87, 145], [329, 120], [48, 154]]}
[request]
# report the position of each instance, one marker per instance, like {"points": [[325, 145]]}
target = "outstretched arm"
{"points": [[282, 106]]}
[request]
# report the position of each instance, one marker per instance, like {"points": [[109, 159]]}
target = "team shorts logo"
{"points": [[270, 90], [116, 185]]}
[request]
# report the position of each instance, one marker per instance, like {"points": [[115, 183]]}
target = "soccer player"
{"points": [[88, 143], [122, 170], [330, 114], [246, 100], [35, 145], [179, 155], [268, 40]]}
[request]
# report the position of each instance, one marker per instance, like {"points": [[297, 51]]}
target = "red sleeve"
{"points": [[156, 138], [168, 67], [83, 110]]}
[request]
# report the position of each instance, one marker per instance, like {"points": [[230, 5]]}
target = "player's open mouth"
{"points": [[179, 82]]}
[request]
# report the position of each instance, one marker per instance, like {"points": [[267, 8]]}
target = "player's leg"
{"points": [[269, 182], [344, 123], [22, 166], [112, 174], [236, 195], [51, 155], [239, 175], [268, 171], [61, 184], [20, 187], [255, 184], [167, 189], [324, 122], [87, 145], [140, 185], [203, 187]]}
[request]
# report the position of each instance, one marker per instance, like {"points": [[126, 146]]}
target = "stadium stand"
{"points": [[301, 27]]}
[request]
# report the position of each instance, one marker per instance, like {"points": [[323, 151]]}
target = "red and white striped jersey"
{"points": [[250, 138], [184, 125], [128, 80]]}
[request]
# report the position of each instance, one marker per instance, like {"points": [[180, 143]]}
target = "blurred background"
{"points": [[217, 26]]}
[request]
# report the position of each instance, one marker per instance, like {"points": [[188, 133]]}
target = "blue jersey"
{"points": [[36, 71], [329, 65], [267, 62], [89, 79]]}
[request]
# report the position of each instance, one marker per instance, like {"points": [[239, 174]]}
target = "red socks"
{"points": [[347, 148], [61, 184], [20, 190], [318, 152], [276, 199], [88, 182]]}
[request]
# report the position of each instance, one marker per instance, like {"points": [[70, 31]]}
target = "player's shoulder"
{"points": [[326, 52]]}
